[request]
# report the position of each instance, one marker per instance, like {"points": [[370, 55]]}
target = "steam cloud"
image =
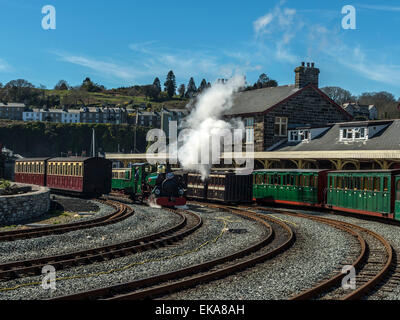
{"points": [[204, 124]]}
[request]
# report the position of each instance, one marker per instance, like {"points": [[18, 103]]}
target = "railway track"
{"points": [[373, 265], [279, 238], [121, 212], [188, 223]]}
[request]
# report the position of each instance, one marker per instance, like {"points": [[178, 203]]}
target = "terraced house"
{"points": [[269, 113]]}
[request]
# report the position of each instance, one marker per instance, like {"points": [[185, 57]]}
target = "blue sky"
{"points": [[121, 43]]}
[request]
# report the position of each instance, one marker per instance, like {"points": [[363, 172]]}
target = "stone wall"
{"points": [[22, 207]]}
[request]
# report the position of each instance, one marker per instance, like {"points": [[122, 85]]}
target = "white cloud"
{"points": [[4, 66], [102, 67], [379, 8], [282, 18], [277, 29], [262, 22]]}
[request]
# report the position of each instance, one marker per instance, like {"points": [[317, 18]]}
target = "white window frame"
{"points": [[249, 135], [354, 133], [281, 122], [299, 135]]}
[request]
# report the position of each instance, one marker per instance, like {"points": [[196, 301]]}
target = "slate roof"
{"points": [[387, 139], [259, 100]]}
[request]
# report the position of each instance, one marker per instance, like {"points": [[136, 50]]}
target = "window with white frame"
{"points": [[280, 127], [249, 135], [354, 134], [299, 135], [249, 130], [249, 122]]}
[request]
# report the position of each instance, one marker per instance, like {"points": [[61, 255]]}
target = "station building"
{"points": [[269, 113], [299, 126]]}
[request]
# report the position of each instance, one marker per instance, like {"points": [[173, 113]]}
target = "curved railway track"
{"points": [[279, 238], [121, 212], [373, 264], [188, 223]]}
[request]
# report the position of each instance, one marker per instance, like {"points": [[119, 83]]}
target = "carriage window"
{"points": [[265, 179], [301, 181], [339, 182], [398, 191], [377, 184], [385, 184]]}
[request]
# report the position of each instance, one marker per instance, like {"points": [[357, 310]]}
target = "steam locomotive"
{"points": [[142, 183]]}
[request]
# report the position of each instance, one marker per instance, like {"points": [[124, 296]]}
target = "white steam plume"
{"points": [[204, 124]]}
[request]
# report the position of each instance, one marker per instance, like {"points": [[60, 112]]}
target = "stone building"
{"points": [[12, 111], [269, 113]]}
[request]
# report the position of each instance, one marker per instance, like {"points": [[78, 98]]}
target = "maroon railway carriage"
{"points": [[89, 176], [73, 175], [31, 171]]}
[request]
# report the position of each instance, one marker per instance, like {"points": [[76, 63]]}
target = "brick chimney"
{"points": [[306, 75]]}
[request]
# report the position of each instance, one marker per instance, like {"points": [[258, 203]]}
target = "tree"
{"points": [[265, 82], [61, 85], [21, 90], [263, 78], [339, 95], [89, 86], [170, 84], [384, 101], [191, 88], [151, 91], [157, 85], [182, 90], [203, 85]]}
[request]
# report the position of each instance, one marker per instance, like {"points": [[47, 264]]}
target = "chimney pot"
{"points": [[308, 64], [312, 64], [303, 64]]}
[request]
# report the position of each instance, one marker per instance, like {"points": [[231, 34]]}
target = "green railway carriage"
{"points": [[397, 198], [299, 187], [371, 192], [145, 182]]}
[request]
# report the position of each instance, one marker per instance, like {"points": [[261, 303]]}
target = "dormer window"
{"points": [[299, 135], [354, 134]]}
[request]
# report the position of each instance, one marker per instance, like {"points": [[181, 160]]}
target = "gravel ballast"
{"points": [[389, 232], [214, 239], [144, 221], [319, 251]]}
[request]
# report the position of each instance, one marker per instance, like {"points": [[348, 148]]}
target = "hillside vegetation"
{"points": [[39, 139]]}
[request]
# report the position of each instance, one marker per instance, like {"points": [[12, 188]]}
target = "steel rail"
{"points": [[173, 281], [171, 235], [362, 258], [121, 212]]}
